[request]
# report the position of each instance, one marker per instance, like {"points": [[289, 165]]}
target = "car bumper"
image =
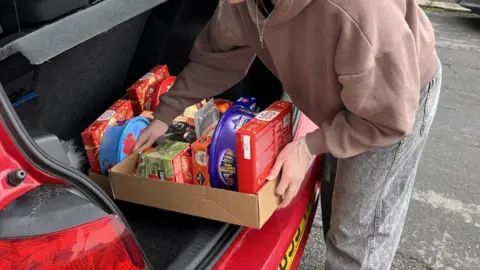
{"points": [[281, 241], [474, 5]]}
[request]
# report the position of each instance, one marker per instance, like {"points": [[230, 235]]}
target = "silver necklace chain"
{"points": [[262, 31]]}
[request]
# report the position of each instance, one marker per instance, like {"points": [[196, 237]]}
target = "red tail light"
{"points": [[101, 244]]}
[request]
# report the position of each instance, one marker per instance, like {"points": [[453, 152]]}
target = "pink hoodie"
{"points": [[354, 67]]}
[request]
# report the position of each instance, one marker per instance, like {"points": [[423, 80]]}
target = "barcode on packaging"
{"points": [[246, 147], [286, 120]]}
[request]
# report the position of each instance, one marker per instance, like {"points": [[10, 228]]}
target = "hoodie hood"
{"points": [[284, 11]]}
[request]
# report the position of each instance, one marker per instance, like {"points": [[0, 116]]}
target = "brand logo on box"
{"points": [[146, 76], [200, 158], [238, 123], [267, 115], [106, 115], [200, 179], [227, 167]]}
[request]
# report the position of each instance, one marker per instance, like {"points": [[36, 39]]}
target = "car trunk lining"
{"points": [[165, 235], [54, 39]]}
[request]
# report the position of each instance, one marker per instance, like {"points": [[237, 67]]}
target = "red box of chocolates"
{"points": [[144, 88], [259, 142], [92, 136]]}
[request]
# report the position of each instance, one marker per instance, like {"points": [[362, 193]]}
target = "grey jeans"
{"points": [[365, 198]]}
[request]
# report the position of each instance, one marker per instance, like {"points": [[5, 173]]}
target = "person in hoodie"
{"points": [[366, 72]]}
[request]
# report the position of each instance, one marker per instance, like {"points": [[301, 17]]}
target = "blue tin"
{"points": [[118, 141], [222, 163]]}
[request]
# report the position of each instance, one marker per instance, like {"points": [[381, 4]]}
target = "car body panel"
{"points": [[278, 242], [18, 151], [473, 5], [12, 159], [297, 255]]}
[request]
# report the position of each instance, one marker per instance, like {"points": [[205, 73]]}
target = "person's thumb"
{"points": [[148, 143], [277, 167], [142, 139]]}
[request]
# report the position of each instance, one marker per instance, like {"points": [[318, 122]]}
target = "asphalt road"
{"points": [[443, 225]]}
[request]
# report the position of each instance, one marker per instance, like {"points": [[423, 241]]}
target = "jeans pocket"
{"points": [[431, 104]]}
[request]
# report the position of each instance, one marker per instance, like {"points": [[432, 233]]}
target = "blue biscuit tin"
{"points": [[118, 141]]}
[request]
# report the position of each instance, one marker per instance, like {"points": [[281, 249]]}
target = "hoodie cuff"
{"points": [[316, 142], [166, 113]]}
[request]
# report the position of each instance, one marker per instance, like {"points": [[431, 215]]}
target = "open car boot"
{"points": [[77, 58]]}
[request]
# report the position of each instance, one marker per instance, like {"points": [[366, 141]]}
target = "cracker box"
{"points": [[138, 91], [169, 161], [92, 136], [200, 161], [258, 144]]}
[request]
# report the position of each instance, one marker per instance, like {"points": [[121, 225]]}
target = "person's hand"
{"points": [[294, 162], [146, 139]]}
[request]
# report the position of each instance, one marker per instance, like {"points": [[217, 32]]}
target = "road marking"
{"points": [[439, 254], [469, 212], [458, 44]]}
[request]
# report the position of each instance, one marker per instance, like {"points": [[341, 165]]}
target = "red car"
{"points": [[62, 63]]}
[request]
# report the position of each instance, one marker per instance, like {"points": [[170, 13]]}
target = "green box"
{"points": [[164, 162]]}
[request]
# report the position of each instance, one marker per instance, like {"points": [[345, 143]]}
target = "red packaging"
{"points": [[186, 176], [92, 136], [258, 144], [182, 167], [152, 98], [139, 90]]}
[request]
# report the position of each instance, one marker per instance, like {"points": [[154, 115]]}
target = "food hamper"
{"points": [[211, 163]]}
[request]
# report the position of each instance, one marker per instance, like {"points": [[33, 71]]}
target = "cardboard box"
{"points": [[101, 180], [169, 161], [200, 161], [250, 210], [259, 142], [139, 90], [92, 136]]}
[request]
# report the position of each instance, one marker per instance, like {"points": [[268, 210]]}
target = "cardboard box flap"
{"points": [[217, 204], [268, 201], [127, 166], [102, 181]]}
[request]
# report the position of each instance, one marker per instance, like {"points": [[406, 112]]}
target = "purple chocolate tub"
{"points": [[222, 163]]}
